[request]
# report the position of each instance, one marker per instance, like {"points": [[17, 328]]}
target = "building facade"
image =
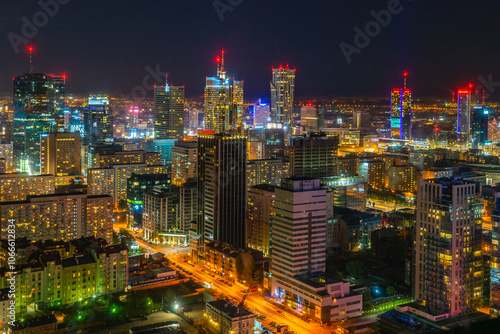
{"points": [[184, 156], [259, 210], [169, 111], [18, 186]]}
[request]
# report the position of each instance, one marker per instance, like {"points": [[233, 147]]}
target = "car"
{"points": [[273, 324], [230, 284]]}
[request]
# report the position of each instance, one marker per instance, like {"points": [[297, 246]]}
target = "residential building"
{"points": [[18, 186], [226, 318], [169, 111], [403, 178], [268, 171], [313, 155], [260, 200], [184, 156]]}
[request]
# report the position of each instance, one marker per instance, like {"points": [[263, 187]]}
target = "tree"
{"points": [[355, 268], [390, 291], [367, 296], [122, 205]]}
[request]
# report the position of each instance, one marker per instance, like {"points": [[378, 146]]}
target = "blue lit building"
{"points": [[479, 126]]}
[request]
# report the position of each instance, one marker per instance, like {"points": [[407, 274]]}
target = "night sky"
{"points": [[105, 45]]}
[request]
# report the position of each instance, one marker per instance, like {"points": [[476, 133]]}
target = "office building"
{"points": [[184, 156], [60, 154], [107, 159], [479, 126], [169, 111], [161, 221], [223, 102], [98, 120], [18, 186], [221, 188], [401, 114], [372, 172], [295, 253], [59, 217], [346, 166], [261, 115], [298, 249], [38, 106], [282, 96], [260, 200], [273, 142], [495, 259], [267, 171], [137, 185], [403, 178], [7, 153], [313, 155], [309, 118], [448, 256], [162, 146], [188, 195], [112, 181], [348, 192], [463, 116], [360, 119]]}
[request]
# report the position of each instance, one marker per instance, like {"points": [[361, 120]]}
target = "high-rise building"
{"points": [[184, 155], [372, 172], [313, 155], [309, 118], [223, 102], [107, 159], [261, 115], [60, 154], [265, 171], [259, 210], [221, 188], [495, 260], [463, 116], [7, 153], [448, 255], [479, 126], [282, 96], [162, 146], [98, 120], [403, 178], [298, 228], [348, 192], [59, 217], [401, 114], [18, 186], [161, 214], [360, 119], [188, 205], [38, 106], [169, 111], [273, 141]]}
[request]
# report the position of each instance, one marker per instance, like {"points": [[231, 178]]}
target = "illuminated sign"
{"points": [[395, 123]]}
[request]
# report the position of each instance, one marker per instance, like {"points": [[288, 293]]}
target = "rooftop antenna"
{"points": [[405, 74], [166, 83], [30, 49]]}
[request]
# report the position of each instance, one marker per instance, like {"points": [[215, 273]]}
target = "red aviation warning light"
{"points": [[463, 91], [217, 59], [30, 48], [405, 74], [64, 76]]}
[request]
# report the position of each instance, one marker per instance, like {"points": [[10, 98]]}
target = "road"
{"points": [[384, 206], [254, 300]]}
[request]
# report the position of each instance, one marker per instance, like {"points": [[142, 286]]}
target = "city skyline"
{"points": [[401, 45]]}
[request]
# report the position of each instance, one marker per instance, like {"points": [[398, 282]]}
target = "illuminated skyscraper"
{"points": [[448, 256], [401, 114], [463, 115], [98, 120], [221, 189], [282, 95], [495, 260], [38, 105], [169, 111], [223, 102], [479, 126], [60, 154]]}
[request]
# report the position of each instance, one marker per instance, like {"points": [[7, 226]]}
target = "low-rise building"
{"points": [[226, 318]]}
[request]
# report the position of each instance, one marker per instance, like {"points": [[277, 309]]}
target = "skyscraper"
{"points": [[169, 111], [221, 188], [98, 120], [60, 154], [282, 95], [313, 155], [184, 156], [479, 126], [448, 256], [463, 116], [223, 102], [495, 260], [401, 114], [38, 104]]}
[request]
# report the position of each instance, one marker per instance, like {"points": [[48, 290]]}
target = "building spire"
{"points": [[30, 49]]}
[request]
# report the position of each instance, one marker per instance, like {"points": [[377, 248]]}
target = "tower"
{"points": [[282, 95], [169, 111], [38, 106], [98, 120], [223, 102], [448, 256], [401, 112], [479, 126], [463, 116]]}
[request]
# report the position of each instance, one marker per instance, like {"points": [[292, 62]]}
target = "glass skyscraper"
{"points": [[38, 108], [282, 96]]}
